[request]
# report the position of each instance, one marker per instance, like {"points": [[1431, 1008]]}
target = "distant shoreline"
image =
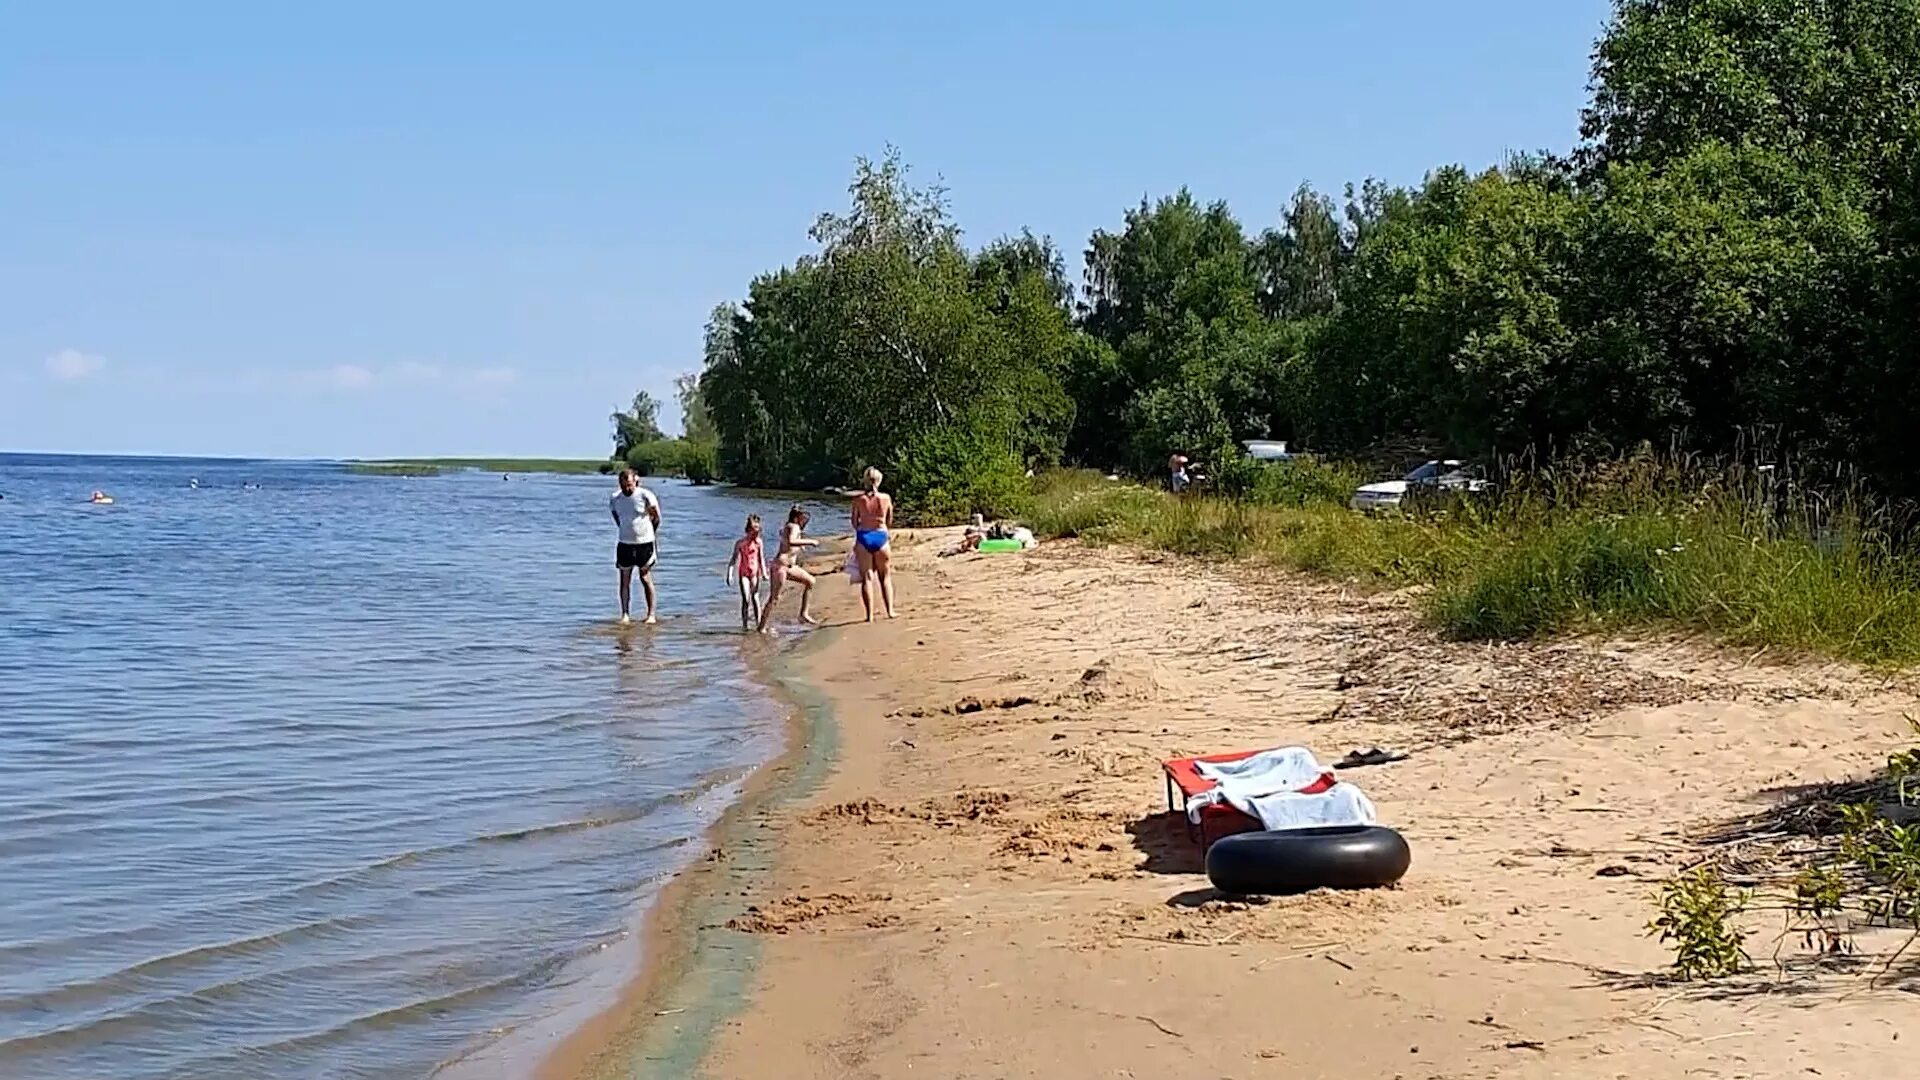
{"points": [[435, 466]]}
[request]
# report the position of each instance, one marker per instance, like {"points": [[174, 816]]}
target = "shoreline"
{"points": [[986, 883], [664, 1019]]}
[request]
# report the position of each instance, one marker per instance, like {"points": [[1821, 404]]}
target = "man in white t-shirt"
{"points": [[637, 513]]}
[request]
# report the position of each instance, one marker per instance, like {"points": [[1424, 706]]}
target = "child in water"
{"points": [[785, 566], [746, 562]]}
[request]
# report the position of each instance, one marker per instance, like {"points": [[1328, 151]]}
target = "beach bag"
{"points": [[853, 565]]}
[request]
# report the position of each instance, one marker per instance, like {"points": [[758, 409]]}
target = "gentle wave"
{"points": [[337, 777]]}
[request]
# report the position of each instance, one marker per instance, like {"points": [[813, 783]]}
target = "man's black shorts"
{"points": [[638, 556]]}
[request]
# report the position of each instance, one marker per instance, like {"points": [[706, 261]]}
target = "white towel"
{"points": [[1289, 768], [1267, 787]]}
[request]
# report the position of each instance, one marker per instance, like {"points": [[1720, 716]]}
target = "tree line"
{"points": [[1732, 248], [640, 444]]}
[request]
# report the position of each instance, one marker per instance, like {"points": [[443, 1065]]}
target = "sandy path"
{"points": [[989, 887]]}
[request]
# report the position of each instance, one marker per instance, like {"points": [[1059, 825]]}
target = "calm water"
{"points": [[339, 775]]}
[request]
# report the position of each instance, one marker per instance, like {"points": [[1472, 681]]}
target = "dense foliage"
{"points": [[892, 339], [639, 444], [1733, 249]]}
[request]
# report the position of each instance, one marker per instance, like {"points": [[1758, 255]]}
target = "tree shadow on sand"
{"points": [[1801, 981], [1810, 810], [1795, 826]]}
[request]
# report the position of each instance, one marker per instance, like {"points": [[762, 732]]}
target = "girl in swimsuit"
{"points": [[786, 567], [872, 519], [746, 562]]}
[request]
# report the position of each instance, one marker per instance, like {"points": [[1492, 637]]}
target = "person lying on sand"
{"points": [[979, 531], [976, 532]]}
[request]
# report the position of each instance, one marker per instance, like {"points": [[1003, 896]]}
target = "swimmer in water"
{"points": [[100, 498]]}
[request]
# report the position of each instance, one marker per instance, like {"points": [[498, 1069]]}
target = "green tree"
{"points": [[1734, 247], [890, 332], [1452, 322], [1771, 145], [639, 424], [1826, 80], [1299, 264], [1174, 284], [696, 423]]}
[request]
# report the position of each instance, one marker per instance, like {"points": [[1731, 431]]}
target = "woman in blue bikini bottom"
{"points": [[872, 517]]}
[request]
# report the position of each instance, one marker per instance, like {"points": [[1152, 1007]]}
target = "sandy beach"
{"points": [[986, 882]]}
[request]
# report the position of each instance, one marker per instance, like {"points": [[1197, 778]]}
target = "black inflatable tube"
{"points": [[1336, 857]]}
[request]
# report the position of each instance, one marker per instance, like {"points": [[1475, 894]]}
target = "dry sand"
{"points": [[988, 885]]}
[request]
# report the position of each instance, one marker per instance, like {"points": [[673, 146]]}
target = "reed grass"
{"points": [[1743, 554]]}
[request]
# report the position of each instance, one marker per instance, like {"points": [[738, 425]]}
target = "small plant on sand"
{"points": [[1699, 916], [1867, 873], [1887, 859], [1814, 912]]}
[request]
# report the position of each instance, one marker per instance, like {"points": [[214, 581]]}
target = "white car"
{"points": [[1449, 476], [1264, 450]]}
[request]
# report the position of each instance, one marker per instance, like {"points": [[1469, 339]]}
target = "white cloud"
{"points": [[496, 376], [416, 372], [70, 365], [348, 377]]}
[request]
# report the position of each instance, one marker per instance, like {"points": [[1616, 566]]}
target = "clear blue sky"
{"points": [[352, 229]]}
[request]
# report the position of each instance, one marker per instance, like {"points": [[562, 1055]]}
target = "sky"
{"points": [[365, 230]]}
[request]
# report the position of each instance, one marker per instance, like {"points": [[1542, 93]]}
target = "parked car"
{"points": [[1265, 450], [1449, 477]]}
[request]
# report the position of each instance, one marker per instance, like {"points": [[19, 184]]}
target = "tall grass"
{"points": [[1740, 553]]}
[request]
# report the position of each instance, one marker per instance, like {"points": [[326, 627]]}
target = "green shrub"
{"points": [[1299, 482], [1236, 474], [697, 461], [700, 461], [1699, 918], [661, 457], [1552, 553], [1545, 578], [1082, 503], [946, 475]]}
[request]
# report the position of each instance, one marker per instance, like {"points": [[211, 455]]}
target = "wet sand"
{"points": [[986, 883]]}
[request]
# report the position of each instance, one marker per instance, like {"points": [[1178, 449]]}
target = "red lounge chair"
{"points": [[1219, 819]]}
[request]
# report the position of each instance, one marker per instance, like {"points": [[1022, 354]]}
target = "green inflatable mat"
{"points": [[1000, 545]]}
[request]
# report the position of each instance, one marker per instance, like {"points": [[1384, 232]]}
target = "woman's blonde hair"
{"points": [[873, 478]]}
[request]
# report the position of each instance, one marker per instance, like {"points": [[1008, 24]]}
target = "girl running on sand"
{"points": [[786, 567], [872, 520], [748, 559]]}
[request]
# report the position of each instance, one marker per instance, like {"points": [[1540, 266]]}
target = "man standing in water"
{"points": [[637, 514]]}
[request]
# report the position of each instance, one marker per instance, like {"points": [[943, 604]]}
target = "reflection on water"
{"points": [[333, 775]]}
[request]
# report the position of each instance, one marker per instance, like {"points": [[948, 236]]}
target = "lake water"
{"points": [[311, 774]]}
